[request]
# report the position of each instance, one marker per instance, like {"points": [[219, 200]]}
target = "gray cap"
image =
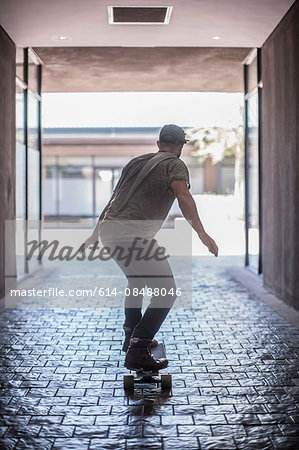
{"points": [[172, 134]]}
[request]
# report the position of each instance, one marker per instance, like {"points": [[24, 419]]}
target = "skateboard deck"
{"points": [[149, 376]]}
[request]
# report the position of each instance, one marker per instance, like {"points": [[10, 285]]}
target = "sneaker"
{"points": [[128, 334], [139, 356]]}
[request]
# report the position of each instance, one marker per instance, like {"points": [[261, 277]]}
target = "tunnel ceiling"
{"points": [[118, 69], [200, 49], [193, 23]]}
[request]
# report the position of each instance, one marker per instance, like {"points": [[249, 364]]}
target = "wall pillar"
{"points": [[280, 159], [7, 147]]}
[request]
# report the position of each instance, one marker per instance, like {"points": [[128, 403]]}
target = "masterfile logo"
{"points": [[129, 259]]}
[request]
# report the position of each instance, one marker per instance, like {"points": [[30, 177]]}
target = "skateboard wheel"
{"points": [[129, 382], [166, 381]]}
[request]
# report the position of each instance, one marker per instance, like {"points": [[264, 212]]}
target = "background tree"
{"points": [[218, 143]]}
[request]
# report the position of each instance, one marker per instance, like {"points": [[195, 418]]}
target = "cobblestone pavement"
{"points": [[233, 360]]}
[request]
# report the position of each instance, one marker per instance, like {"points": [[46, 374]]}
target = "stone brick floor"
{"points": [[234, 363]]}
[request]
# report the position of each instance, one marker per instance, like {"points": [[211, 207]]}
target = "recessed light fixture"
{"points": [[139, 15], [61, 37], [216, 38]]}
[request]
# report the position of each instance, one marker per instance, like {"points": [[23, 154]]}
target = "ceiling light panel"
{"points": [[139, 15]]}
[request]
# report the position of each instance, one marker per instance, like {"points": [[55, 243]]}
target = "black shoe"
{"points": [[139, 356], [128, 334]]}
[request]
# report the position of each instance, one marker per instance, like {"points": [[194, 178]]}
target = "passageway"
{"points": [[233, 361], [233, 354]]}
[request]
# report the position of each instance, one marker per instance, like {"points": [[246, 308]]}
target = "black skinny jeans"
{"points": [[144, 273]]}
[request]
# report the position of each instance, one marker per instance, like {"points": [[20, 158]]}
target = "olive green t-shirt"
{"points": [[152, 199]]}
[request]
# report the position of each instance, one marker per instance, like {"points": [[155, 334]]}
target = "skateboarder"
{"points": [[145, 193]]}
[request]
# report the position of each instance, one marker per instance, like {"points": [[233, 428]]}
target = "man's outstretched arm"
{"points": [[189, 210]]}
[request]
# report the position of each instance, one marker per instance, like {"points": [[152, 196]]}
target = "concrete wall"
{"points": [[280, 96], [7, 145], [146, 69]]}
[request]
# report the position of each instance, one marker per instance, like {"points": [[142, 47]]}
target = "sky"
{"points": [[141, 109]]}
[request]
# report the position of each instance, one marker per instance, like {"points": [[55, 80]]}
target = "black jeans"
{"points": [[143, 274]]}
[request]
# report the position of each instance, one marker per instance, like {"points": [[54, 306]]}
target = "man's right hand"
{"points": [[209, 242], [189, 210]]}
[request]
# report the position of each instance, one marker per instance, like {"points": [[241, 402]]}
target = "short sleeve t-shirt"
{"points": [[153, 198]]}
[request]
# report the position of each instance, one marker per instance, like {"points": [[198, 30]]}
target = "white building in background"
{"points": [[81, 166]]}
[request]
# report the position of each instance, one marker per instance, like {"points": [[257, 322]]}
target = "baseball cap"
{"points": [[172, 134]]}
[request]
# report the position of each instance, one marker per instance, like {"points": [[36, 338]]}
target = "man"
{"points": [[143, 197]]}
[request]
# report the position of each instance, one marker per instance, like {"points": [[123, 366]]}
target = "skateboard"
{"points": [[149, 376]]}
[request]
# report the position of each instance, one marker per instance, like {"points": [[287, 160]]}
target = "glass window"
{"points": [[105, 181], [27, 187], [50, 187], [253, 181], [227, 179], [75, 190], [33, 184], [32, 122], [67, 186], [20, 133], [104, 186], [197, 180], [20, 180]]}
